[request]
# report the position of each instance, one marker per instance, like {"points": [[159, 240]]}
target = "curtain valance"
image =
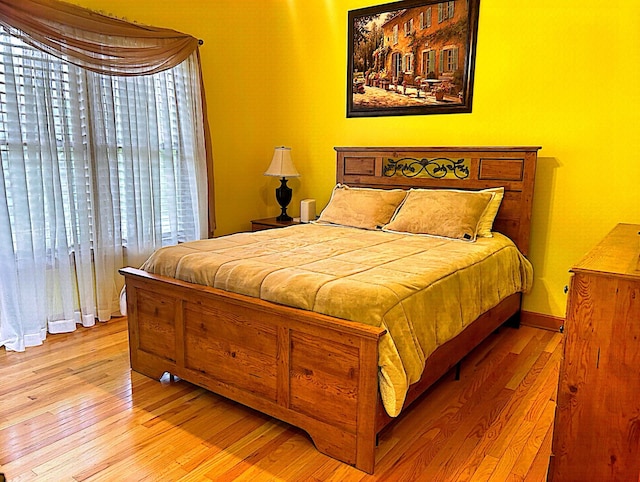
{"points": [[94, 41]]}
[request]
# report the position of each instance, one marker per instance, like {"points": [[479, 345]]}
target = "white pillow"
{"points": [[485, 226]]}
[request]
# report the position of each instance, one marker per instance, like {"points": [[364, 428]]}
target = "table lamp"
{"points": [[282, 166]]}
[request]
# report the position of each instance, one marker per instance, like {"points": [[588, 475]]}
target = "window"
{"points": [[449, 59], [395, 34], [425, 18], [445, 11], [96, 172], [120, 125], [428, 62], [408, 63], [408, 27]]}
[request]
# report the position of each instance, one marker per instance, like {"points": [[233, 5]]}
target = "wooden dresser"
{"points": [[597, 426]]}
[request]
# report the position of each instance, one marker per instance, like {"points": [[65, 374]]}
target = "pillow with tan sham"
{"points": [[485, 226], [489, 216], [361, 207], [442, 213]]}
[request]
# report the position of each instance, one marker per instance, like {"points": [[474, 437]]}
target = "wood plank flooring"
{"points": [[72, 410]]}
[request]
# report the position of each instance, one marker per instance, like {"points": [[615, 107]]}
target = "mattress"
{"points": [[422, 290]]}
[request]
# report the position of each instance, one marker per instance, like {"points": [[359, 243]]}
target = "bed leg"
{"points": [[514, 321]]}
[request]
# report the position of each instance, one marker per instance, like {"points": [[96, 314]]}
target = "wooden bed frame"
{"points": [[313, 371]]}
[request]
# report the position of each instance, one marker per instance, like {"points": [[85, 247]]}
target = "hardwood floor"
{"points": [[72, 410]]}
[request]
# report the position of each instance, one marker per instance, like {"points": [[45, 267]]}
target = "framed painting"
{"points": [[412, 57]]}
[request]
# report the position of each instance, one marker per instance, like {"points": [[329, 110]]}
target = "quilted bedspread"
{"points": [[422, 290]]}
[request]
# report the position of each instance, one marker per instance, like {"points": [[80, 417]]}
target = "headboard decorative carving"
{"points": [[437, 167]]}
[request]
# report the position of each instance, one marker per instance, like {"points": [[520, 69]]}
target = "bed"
{"points": [[313, 370]]}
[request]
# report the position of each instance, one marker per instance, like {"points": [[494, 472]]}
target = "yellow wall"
{"points": [[562, 75]]}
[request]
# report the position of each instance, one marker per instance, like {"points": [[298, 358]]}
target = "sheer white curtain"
{"points": [[97, 172]]}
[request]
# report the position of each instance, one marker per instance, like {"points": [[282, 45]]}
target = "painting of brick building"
{"points": [[412, 60]]}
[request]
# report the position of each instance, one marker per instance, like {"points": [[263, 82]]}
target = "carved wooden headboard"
{"points": [[451, 168]]}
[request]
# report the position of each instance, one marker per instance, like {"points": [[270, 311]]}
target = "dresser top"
{"points": [[618, 253]]}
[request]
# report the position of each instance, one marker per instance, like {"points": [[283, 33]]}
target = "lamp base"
{"points": [[283, 196], [284, 218]]}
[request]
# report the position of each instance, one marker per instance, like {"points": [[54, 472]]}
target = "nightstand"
{"points": [[270, 223]]}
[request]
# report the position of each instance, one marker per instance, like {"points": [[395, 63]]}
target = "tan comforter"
{"points": [[423, 290]]}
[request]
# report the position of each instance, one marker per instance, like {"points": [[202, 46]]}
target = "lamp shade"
{"points": [[282, 164]]}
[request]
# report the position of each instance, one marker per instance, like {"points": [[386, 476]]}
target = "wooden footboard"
{"points": [[315, 372]]}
